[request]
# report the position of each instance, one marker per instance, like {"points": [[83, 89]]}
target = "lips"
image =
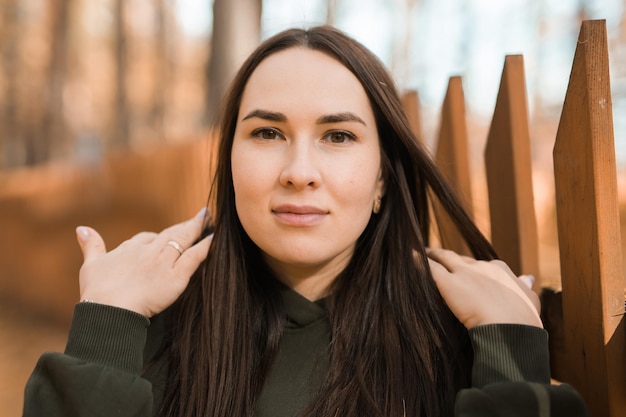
{"points": [[297, 215]]}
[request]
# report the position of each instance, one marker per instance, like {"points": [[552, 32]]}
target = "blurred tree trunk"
{"points": [[162, 69], [622, 28], [51, 135], [236, 32], [331, 11], [121, 126], [11, 150], [401, 62]]}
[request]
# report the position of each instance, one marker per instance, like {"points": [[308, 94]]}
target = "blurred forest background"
{"points": [[78, 78], [107, 109]]}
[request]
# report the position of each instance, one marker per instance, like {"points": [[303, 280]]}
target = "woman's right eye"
{"points": [[266, 134]]}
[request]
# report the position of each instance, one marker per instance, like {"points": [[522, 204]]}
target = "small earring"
{"points": [[377, 204]]}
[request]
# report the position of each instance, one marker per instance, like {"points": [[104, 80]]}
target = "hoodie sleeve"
{"points": [[511, 376], [99, 372]]}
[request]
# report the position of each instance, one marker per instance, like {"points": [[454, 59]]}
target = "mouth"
{"points": [[294, 215]]}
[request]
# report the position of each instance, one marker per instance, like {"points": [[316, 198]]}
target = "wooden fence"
{"points": [[588, 335]]}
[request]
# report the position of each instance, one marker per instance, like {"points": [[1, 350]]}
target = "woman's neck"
{"points": [[310, 281]]}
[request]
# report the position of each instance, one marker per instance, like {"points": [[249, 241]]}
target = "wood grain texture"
{"points": [[509, 174], [452, 159], [589, 231], [411, 105]]}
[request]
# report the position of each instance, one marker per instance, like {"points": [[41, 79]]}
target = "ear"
{"points": [[379, 193], [380, 184]]}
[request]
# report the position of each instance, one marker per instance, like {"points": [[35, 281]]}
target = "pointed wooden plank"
{"points": [[453, 160], [509, 174], [411, 104], [589, 231]]}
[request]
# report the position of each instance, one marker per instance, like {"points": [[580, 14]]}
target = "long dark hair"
{"points": [[395, 347]]}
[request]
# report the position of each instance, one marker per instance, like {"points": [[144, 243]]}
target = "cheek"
{"points": [[357, 192], [251, 184], [246, 204], [363, 177], [244, 191], [244, 168], [242, 178]]}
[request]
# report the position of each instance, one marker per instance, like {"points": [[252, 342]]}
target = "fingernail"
{"points": [[202, 212], [83, 233], [529, 280]]}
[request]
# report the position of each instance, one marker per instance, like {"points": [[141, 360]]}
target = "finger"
{"points": [[436, 267], [448, 286], [525, 282], [468, 259], [440, 274], [90, 242], [145, 237], [192, 229], [529, 280], [184, 233], [447, 258], [192, 257], [504, 267], [534, 298], [525, 293], [175, 246]]}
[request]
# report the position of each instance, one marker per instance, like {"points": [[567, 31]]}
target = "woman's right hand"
{"points": [[146, 273], [483, 292]]}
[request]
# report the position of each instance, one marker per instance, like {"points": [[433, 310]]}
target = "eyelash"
{"points": [[258, 133], [347, 135]]}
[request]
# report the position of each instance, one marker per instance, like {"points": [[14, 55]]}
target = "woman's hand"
{"points": [[483, 292], [146, 273]]}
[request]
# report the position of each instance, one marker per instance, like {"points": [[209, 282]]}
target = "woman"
{"points": [[318, 296]]}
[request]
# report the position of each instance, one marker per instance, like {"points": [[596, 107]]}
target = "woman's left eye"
{"points": [[339, 137], [266, 134]]}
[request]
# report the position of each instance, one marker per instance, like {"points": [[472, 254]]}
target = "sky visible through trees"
{"points": [[424, 42], [74, 80]]}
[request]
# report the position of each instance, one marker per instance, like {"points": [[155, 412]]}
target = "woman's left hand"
{"points": [[483, 292]]}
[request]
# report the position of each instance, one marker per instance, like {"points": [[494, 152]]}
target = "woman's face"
{"points": [[306, 166]]}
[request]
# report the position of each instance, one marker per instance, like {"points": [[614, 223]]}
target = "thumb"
{"points": [[91, 243]]}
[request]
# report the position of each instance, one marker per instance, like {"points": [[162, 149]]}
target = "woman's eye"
{"points": [[339, 137], [267, 134]]}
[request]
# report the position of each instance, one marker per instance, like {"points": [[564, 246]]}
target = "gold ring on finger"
{"points": [[176, 246]]}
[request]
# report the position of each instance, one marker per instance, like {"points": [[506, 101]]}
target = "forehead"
{"points": [[298, 78]]}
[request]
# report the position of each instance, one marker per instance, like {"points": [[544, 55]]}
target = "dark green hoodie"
{"points": [[100, 372]]}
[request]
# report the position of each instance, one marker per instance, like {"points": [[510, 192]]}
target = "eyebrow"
{"points": [[266, 115], [325, 119], [340, 117]]}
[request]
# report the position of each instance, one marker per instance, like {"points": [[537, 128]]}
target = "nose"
{"points": [[301, 167]]}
